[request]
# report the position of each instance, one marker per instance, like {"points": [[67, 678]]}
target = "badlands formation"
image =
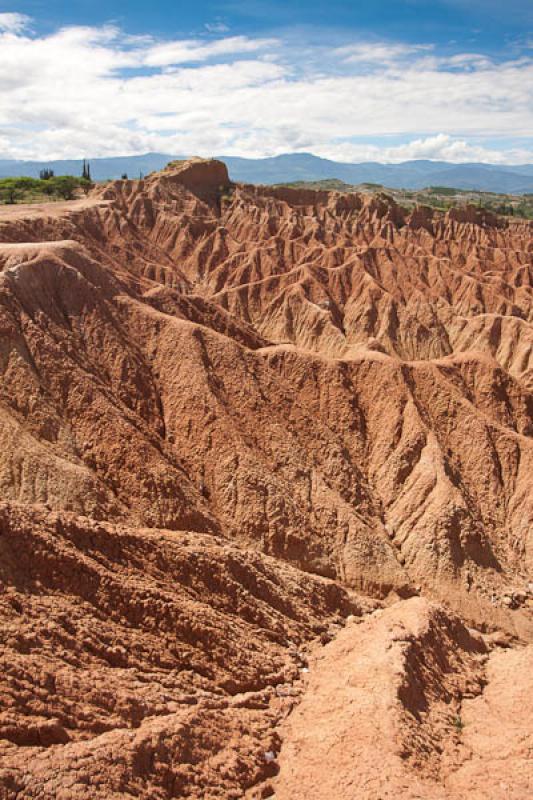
{"points": [[266, 518]]}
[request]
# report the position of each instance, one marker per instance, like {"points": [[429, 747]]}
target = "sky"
{"points": [[379, 80]]}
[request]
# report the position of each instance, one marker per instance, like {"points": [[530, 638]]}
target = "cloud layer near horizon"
{"points": [[98, 91]]}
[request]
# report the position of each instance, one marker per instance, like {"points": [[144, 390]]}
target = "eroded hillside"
{"points": [[321, 378]]}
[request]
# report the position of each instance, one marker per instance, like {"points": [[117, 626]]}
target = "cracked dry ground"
{"points": [[266, 514]]}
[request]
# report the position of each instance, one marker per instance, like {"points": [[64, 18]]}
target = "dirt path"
{"points": [[52, 209]]}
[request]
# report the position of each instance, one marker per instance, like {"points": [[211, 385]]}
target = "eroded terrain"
{"points": [[247, 432]]}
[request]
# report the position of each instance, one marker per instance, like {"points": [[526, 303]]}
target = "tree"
{"points": [[124, 176], [85, 185], [86, 173], [10, 190], [64, 186], [14, 189], [46, 174]]}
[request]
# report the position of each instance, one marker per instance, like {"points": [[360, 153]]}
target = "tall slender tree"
{"points": [[86, 172]]}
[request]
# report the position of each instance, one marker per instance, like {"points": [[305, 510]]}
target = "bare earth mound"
{"points": [[234, 421]]}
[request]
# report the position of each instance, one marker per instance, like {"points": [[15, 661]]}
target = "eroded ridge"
{"points": [[145, 663]]}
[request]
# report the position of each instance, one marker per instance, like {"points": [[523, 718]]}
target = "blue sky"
{"points": [[379, 80], [489, 24]]}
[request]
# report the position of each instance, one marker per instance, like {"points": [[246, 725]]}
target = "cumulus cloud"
{"points": [[97, 91], [441, 147]]}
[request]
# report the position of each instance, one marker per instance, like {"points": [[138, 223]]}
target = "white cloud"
{"points": [[378, 52], [96, 91], [441, 147], [170, 53], [216, 27], [13, 22]]}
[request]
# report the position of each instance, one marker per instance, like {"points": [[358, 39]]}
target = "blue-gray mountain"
{"points": [[307, 167]]}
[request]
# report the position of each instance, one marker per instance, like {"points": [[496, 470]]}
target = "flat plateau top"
{"points": [[52, 209]]}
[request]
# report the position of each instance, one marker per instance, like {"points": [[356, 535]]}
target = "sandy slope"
{"points": [[386, 714]]}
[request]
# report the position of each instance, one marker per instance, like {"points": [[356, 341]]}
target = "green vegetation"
{"points": [[440, 198], [458, 724], [226, 193], [447, 191], [38, 190], [327, 185], [176, 163], [86, 174]]}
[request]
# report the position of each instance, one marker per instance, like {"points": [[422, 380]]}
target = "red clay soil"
{"points": [[409, 704], [234, 422]]}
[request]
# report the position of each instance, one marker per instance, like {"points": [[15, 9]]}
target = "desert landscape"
{"points": [[266, 523]]}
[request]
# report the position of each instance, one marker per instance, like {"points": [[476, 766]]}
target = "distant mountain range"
{"points": [[307, 167]]}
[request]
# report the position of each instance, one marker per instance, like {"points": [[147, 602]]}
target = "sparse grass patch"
{"points": [[226, 193], [458, 724]]}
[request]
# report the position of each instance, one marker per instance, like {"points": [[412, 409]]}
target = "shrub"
{"points": [[14, 189], [65, 185], [458, 724]]}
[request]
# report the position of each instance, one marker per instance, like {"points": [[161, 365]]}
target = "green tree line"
{"points": [[64, 187]]}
